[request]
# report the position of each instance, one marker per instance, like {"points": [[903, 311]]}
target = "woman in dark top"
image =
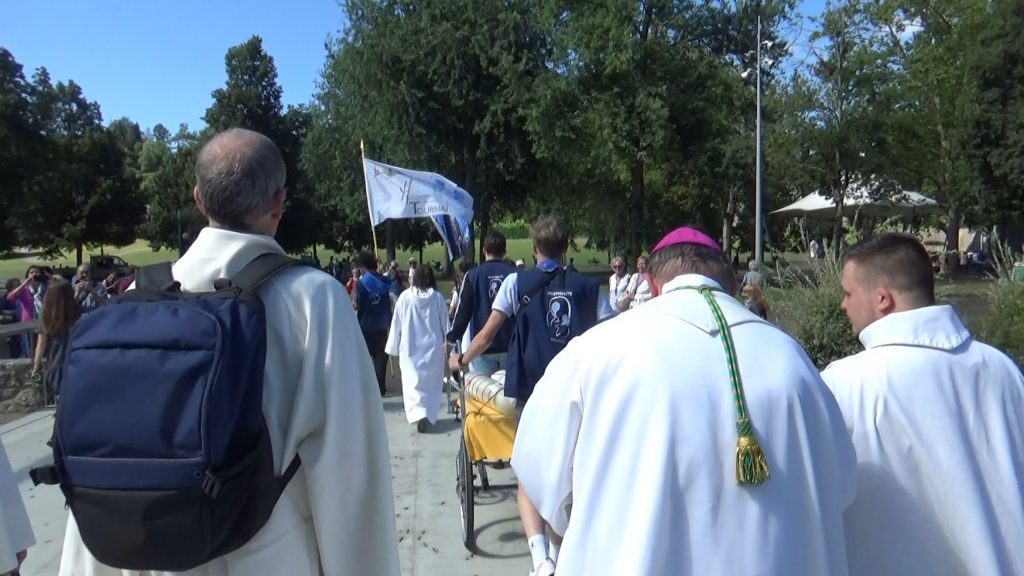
{"points": [[60, 311]]}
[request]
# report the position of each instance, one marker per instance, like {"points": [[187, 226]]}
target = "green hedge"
{"points": [[810, 312], [514, 229]]}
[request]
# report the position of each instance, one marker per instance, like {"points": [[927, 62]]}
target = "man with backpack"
{"points": [[551, 305], [166, 472], [479, 289]]}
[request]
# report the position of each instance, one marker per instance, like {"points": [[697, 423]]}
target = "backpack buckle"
{"points": [[211, 484]]}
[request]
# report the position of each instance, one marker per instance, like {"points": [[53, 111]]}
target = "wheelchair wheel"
{"points": [[464, 485]]}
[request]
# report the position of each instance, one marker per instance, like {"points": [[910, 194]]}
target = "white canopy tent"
{"points": [[859, 201]]}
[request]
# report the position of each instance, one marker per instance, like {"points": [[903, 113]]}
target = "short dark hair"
{"points": [[423, 278], [494, 244], [899, 260], [677, 259], [366, 260], [550, 236]]}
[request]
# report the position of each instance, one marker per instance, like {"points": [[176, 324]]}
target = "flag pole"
{"points": [[369, 208]]}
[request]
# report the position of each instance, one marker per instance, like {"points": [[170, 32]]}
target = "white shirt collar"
{"points": [[690, 307], [218, 253], [935, 326], [689, 281]]}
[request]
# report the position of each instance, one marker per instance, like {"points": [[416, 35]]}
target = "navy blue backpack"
{"points": [[160, 445]]}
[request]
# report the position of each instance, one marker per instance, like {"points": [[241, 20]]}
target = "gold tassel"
{"points": [[751, 466]]}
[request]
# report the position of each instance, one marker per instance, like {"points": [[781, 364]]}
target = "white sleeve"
{"points": [[395, 333], [604, 306], [545, 442], [506, 300]]}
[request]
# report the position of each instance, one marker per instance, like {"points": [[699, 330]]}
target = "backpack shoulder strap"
{"points": [[525, 297], [263, 268], [155, 277]]}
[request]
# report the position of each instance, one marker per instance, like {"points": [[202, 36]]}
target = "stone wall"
{"points": [[17, 394]]}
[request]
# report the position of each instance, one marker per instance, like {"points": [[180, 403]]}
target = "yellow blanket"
{"points": [[489, 433]]}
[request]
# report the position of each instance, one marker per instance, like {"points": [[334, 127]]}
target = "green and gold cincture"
{"points": [[751, 465]]}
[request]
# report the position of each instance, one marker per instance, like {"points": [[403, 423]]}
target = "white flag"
{"points": [[393, 192]]}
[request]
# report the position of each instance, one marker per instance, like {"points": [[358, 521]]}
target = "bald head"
{"points": [[240, 178], [898, 262]]}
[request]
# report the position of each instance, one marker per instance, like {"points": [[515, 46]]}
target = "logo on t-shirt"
{"points": [[494, 283], [559, 317], [374, 299]]}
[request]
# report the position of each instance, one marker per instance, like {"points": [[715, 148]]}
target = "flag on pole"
{"points": [[393, 192]]}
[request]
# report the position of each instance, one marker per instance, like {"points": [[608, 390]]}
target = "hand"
{"points": [[453, 362]]}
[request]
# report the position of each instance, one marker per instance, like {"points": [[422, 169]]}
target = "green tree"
{"points": [[934, 95], [847, 120], [636, 91], [997, 146], [439, 86], [20, 144], [251, 98], [85, 196], [168, 179]]}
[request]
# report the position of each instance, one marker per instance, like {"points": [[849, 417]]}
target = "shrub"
{"points": [[1003, 326], [808, 309], [514, 229]]}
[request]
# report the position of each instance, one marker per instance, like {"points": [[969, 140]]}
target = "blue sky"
{"points": [[156, 61]]}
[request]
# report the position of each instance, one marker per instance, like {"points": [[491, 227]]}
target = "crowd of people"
{"points": [[663, 426], [56, 303]]}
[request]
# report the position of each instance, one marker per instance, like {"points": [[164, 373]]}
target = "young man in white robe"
{"points": [[320, 400], [651, 459], [938, 422], [417, 338]]}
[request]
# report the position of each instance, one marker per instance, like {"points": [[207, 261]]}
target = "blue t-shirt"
{"points": [[373, 302]]}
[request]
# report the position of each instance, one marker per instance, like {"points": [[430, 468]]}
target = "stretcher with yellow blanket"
{"points": [[488, 434]]}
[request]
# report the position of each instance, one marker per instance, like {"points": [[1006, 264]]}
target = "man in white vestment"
{"points": [[16, 535], [320, 398], [651, 459], [938, 422]]}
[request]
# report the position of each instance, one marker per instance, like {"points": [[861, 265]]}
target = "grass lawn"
{"points": [[140, 254]]}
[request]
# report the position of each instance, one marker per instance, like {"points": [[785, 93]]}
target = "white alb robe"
{"points": [[417, 334], [321, 401], [640, 441], [937, 419], [15, 530]]}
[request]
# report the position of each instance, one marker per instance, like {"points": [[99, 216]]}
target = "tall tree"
{"points": [[847, 117], [20, 144], [86, 196], [168, 179], [434, 85], [997, 145], [635, 88], [930, 44], [251, 98]]}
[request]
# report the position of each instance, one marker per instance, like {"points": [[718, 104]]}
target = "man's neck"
{"points": [[542, 259]]}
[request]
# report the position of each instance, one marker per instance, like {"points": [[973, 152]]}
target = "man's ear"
{"points": [[199, 201], [885, 301], [277, 209]]}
